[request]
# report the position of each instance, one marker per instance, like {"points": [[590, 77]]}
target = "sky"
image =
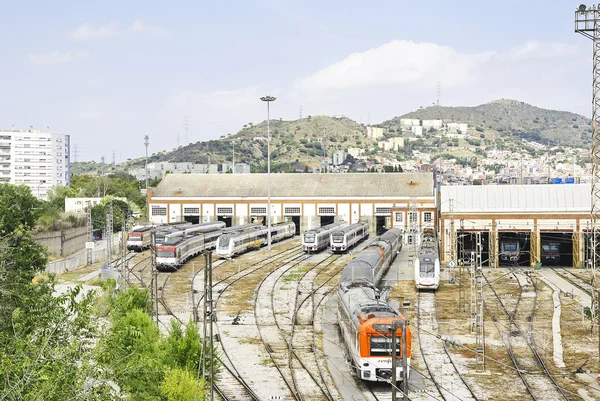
{"points": [[109, 72]]}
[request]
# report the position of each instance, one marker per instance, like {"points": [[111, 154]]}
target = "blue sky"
{"points": [[108, 72]]}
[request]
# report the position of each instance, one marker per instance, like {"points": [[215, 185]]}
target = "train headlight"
{"points": [[366, 364]]}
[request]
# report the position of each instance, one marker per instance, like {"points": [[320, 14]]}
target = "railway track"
{"points": [[231, 381], [301, 326], [579, 282], [520, 343], [450, 384]]}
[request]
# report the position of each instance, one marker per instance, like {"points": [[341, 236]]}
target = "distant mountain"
{"points": [[297, 144], [294, 144], [512, 118]]}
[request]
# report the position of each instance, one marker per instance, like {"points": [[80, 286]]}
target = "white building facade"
{"points": [[39, 160]]}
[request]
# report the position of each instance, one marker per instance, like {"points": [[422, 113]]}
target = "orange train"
{"points": [[365, 319]]}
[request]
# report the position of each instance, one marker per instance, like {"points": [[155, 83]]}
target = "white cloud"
{"points": [[57, 57], [87, 31], [399, 76]]}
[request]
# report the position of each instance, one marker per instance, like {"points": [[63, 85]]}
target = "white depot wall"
{"points": [[366, 210], [558, 224], [310, 209], [276, 211], [344, 211], [508, 224], [355, 213], [208, 211], [174, 212]]}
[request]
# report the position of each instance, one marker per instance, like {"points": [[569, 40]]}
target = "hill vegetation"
{"points": [[300, 144]]}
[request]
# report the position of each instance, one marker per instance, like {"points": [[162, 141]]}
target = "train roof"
{"points": [[326, 228], [142, 229], [362, 301], [351, 227], [304, 185]]}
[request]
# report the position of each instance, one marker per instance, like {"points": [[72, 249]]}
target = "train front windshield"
{"points": [[510, 246], [382, 346], [550, 248], [427, 268], [337, 238], [309, 238], [165, 254], [224, 242]]}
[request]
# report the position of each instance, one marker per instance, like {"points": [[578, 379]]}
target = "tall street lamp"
{"points": [[268, 99]]}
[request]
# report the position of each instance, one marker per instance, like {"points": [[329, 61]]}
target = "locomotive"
{"points": [[318, 238], [251, 236], [345, 238], [365, 318], [427, 263]]}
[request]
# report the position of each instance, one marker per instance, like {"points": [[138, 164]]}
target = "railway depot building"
{"points": [[310, 200], [538, 217]]}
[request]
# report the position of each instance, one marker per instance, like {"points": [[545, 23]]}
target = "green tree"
{"points": [[18, 208], [181, 385]]}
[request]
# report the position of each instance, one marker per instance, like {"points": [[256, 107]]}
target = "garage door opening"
{"points": [[327, 220], [192, 219], [514, 249], [258, 220], [466, 244], [380, 226], [556, 249], [296, 220], [225, 219]]}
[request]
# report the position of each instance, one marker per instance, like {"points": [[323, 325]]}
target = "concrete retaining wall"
{"points": [[65, 242], [79, 258]]}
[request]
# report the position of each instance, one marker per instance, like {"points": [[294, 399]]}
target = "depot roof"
{"points": [[296, 185]]}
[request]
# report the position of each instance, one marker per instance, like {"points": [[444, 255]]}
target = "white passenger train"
{"points": [[345, 238], [365, 318], [427, 263], [140, 238], [235, 242], [160, 235], [318, 238]]}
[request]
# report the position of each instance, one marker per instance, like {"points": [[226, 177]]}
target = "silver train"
{"points": [[427, 263], [365, 318], [140, 238], [180, 246], [160, 235], [345, 238], [318, 239], [252, 236]]}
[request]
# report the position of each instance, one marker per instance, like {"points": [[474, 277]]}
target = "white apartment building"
{"points": [[373, 133], [39, 160]]}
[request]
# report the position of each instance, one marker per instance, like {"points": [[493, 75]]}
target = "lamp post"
{"points": [[268, 99], [38, 188]]}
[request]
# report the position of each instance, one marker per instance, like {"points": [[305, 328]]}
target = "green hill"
{"points": [[512, 118]]}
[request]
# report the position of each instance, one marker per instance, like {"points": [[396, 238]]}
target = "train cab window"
{"points": [[224, 242], [382, 346], [510, 246], [550, 247], [427, 267], [338, 238], [309, 237]]}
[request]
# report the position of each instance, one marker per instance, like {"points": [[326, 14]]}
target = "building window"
{"points": [[191, 210], [327, 210], [258, 211], [427, 217], [159, 211], [399, 217], [383, 211], [291, 210], [224, 210]]}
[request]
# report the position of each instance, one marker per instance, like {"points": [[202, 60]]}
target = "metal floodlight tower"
{"points": [[268, 99], [587, 23], [146, 143]]}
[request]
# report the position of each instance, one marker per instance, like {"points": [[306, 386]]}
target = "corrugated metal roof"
{"points": [[296, 185], [517, 198]]}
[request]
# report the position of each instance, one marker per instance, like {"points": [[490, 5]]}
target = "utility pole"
{"points": [[233, 168], [208, 315], [114, 160], [587, 23], [90, 231], [108, 237], [75, 152], [461, 261], [399, 325], [479, 323], [146, 143], [186, 125], [154, 280]]}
